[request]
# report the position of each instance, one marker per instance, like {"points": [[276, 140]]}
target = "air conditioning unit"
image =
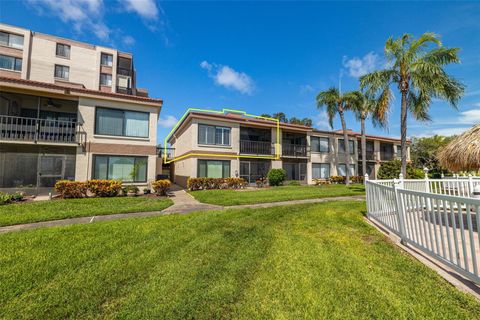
{"points": [[124, 82]]}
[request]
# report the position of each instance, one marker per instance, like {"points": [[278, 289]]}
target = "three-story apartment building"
{"points": [[232, 145], [71, 110]]}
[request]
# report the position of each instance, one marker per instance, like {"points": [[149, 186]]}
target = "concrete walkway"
{"points": [[183, 203]]}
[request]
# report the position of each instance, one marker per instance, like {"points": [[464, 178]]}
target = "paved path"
{"points": [[182, 203]]}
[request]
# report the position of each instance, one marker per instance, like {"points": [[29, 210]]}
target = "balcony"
{"points": [[124, 90], [40, 130], [168, 152], [256, 147], [370, 155], [294, 150], [124, 72], [386, 156]]}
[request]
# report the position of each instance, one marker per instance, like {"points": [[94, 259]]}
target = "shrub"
{"points": [[5, 198], [71, 189], [391, 170], [215, 183], [321, 182], [131, 189], [357, 179], [104, 188], [262, 182], [161, 187], [337, 179], [276, 177], [18, 196]]}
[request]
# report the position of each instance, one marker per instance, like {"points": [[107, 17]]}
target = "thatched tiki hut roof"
{"points": [[463, 153]]}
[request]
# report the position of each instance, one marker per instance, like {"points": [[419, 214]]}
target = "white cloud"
{"points": [[469, 117], [442, 132], [147, 9], [306, 88], [358, 67], [128, 41], [321, 121], [229, 78], [167, 122], [84, 15]]}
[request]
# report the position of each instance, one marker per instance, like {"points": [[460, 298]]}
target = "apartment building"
{"points": [[71, 110], [232, 145]]}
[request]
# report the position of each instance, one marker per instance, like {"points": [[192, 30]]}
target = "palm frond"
{"points": [[377, 80], [441, 56], [419, 105], [329, 99], [417, 45], [381, 109]]}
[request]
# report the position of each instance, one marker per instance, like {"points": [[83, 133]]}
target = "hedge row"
{"points": [[341, 179], [215, 183], [102, 188]]}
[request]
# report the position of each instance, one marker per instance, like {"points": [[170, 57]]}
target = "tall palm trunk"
{"points": [[364, 145], [346, 145], [403, 126]]}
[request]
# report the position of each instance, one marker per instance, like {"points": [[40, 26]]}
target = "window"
{"points": [[105, 79], [11, 40], [62, 72], [295, 170], [124, 168], [320, 144], [399, 151], [341, 146], [125, 123], [63, 50], [342, 172], [10, 63], [213, 169], [106, 60], [213, 135], [320, 170]]}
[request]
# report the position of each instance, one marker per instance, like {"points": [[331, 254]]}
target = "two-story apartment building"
{"points": [[70, 110], [232, 145]]}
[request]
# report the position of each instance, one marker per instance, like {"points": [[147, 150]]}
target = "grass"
{"points": [[317, 261], [72, 208], [275, 194]]}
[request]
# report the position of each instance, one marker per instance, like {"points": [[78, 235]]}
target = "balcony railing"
{"points": [[169, 152], [124, 90], [370, 155], [43, 130], [385, 156], [256, 147], [294, 150], [124, 72]]}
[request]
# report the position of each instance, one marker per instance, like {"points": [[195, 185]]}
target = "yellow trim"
{"points": [[224, 111]]}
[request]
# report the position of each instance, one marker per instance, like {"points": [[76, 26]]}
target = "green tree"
{"points": [[391, 170], [280, 116], [368, 108], [338, 103], [424, 153], [416, 67]]}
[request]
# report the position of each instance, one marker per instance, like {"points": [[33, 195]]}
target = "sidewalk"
{"points": [[183, 203]]}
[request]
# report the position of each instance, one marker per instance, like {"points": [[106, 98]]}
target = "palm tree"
{"points": [[336, 102], [416, 67], [368, 108], [280, 116]]}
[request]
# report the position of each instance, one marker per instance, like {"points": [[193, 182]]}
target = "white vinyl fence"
{"points": [[438, 217]]}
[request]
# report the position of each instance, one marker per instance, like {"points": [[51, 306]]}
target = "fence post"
{"points": [[397, 185], [401, 183], [470, 185], [365, 180]]}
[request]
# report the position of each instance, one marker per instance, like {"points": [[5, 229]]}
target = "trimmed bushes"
{"points": [[341, 179], [276, 177], [71, 189], [104, 188], [6, 198], [215, 183], [161, 187]]}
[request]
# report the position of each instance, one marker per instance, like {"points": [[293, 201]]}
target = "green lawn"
{"points": [[275, 194], [71, 208], [317, 261]]}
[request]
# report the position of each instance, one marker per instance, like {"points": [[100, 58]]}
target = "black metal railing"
{"points": [[256, 147], [44, 130], [294, 150], [124, 90], [124, 72], [370, 155], [168, 152], [385, 156]]}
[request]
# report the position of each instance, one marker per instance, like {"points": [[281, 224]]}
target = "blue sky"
{"points": [[264, 57]]}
